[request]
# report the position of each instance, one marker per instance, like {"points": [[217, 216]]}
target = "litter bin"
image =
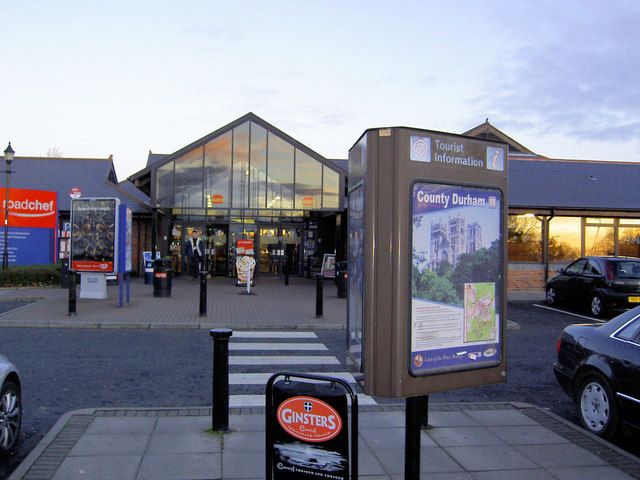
{"points": [[64, 273], [162, 276], [341, 279]]}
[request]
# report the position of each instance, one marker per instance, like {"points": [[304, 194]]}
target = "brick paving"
{"points": [[273, 306]]}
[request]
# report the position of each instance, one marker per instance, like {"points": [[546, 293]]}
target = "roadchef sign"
{"points": [[309, 419]]}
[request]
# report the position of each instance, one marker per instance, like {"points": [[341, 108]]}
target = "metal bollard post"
{"points": [[286, 271], [319, 296], [203, 293], [72, 293], [412, 438], [309, 266], [220, 407], [424, 411]]}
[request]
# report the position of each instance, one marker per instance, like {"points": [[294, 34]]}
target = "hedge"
{"points": [[30, 276]]}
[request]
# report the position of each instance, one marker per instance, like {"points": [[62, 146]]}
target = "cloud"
{"points": [[582, 84]]}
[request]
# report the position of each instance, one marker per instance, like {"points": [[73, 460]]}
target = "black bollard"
{"points": [[412, 438], [424, 411], [286, 271], [72, 293], [220, 407], [319, 296], [309, 266], [203, 293]]}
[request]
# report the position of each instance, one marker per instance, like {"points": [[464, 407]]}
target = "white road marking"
{"points": [[273, 334], [596, 320], [262, 378], [277, 346], [259, 400], [282, 360]]}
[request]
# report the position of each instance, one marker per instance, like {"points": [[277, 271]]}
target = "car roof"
{"points": [[613, 259]]}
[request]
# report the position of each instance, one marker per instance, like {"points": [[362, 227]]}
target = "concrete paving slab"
{"points": [[500, 417], [439, 476], [247, 423], [580, 473], [390, 437], [527, 435], [182, 424], [245, 441], [558, 456], [180, 442], [432, 460], [122, 425], [110, 444], [194, 466], [451, 419], [121, 467], [368, 463], [380, 419], [464, 436], [242, 464], [536, 474], [496, 457]]}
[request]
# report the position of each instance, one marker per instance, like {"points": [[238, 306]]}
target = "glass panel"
{"points": [[258, 168], [577, 266], [291, 240], [598, 241], [164, 185], [564, 238], [600, 221], [280, 173], [217, 171], [237, 231], [189, 179], [630, 332], [240, 187], [629, 221], [330, 189], [308, 182], [629, 241], [525, 239]]}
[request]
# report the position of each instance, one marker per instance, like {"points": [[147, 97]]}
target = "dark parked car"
{"points": [[599, 368], [602, 283]]}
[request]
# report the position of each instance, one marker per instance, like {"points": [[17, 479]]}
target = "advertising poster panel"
{"points": [[311, 438], [32, 222], [455, 278], [94, 235]]}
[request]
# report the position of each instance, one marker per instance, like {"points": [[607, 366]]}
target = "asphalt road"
{"points": [[68, 369]]}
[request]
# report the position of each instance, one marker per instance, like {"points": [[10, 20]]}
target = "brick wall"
{"points": [[525, 276]]}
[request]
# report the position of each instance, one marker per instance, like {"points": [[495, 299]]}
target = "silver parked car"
{"points": [[10, 406]]}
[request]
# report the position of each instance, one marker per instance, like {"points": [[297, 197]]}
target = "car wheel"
{"points": [[552, 296], [596, 406], [596, 306], [10, 417]]}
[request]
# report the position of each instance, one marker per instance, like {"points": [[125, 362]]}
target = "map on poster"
{"points": [[455, 267]]}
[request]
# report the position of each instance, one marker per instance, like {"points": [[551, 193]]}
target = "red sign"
{"points": [[90, 266], [309, 419], [244, 247], [308, 201], [29, 208], [217, 199], [75, 193]]}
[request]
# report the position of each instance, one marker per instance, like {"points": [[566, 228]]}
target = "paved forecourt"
{"points": [[464, 441], [273, 306]]}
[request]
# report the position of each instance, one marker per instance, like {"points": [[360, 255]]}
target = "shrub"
{"points": [[30, 276]]}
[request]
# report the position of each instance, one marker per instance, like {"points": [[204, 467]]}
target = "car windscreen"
{"points": [[627, 269]]}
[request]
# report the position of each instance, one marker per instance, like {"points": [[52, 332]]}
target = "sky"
{"points": [[91, 79]]}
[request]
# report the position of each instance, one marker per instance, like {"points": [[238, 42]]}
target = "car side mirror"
{"points": [[560, 270]]}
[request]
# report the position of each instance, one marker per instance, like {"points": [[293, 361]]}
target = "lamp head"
{"points": [[8, 154]]}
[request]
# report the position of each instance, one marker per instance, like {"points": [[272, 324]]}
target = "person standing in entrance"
{"points": [[194, 253]]}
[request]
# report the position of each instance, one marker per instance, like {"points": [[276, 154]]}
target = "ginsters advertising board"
{"points": [[94, 236], [427, 276]]}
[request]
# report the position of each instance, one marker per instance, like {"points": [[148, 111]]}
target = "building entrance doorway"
{"points": [[276, 242], [217, 248]]}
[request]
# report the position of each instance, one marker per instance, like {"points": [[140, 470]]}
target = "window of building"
{"points": [[240, 187], [164, 185], [308, 182], [217, 171], [628, 241], [525, 239], [565, 238], [280, 173], [330, 189], [188, 180], [599, 240], [258, 167]]}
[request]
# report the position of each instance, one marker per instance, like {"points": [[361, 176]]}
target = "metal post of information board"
{"points": [[203, 293], [412, 438]]}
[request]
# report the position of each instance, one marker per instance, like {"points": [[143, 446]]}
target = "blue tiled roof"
{"points": [[574, 184], [94, 177]]}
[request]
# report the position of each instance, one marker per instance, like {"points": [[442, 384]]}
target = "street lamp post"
{"points": [[8, 157]]}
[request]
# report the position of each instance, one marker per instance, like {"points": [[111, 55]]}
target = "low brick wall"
{"points": [[527, 276]]}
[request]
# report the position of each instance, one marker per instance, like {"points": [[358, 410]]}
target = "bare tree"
{"points": [[55, 152]]}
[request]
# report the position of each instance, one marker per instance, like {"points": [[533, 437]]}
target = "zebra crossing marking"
{"points": [[259, 400], [272, 334], [278, 346], [282, 360], [262, 378]]}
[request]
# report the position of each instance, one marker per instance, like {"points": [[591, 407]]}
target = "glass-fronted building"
{"points": [[247, 180]]}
